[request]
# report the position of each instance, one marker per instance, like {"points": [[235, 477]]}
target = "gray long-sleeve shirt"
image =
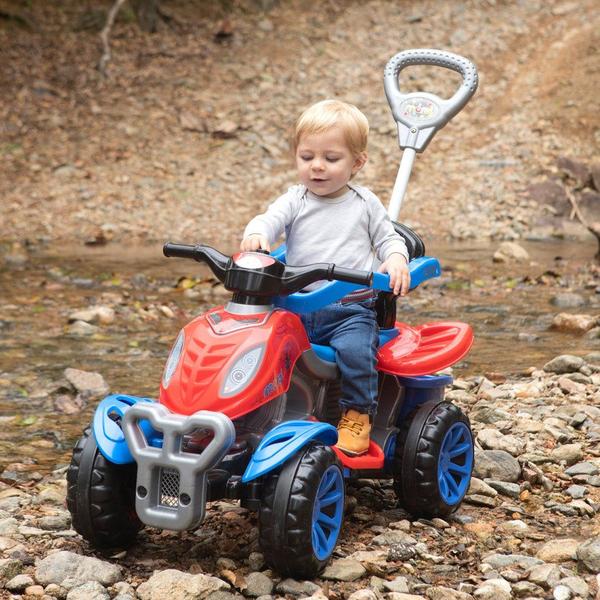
{"points": [[349, 231]]}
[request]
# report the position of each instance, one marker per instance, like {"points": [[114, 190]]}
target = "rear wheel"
{"points": [[101, 496], [301, 512], [434, 458]]}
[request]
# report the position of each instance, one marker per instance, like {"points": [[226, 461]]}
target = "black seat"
{"points": [[385, 305]]}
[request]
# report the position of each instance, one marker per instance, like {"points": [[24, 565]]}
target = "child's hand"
{"points": [[254, 242], [397, 268]]}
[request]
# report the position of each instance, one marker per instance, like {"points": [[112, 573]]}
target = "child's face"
{"points": [[325, 163]]}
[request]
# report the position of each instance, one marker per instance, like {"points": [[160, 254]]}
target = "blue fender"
{"points": [[283, 441], [108, 434]]}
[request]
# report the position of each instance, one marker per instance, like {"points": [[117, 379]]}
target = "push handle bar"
{"points": [[420, 114]]}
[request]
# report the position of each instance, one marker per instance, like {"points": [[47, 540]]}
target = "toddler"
{"points": [[329, 219]]}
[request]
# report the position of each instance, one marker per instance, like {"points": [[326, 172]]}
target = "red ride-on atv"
{"points": [[248, 406]]}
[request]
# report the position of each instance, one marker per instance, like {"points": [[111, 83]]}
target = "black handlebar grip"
{"points": [[179, 250], [352, 276]]}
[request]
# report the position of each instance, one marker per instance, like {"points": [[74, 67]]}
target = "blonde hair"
{"points": [[330, 113]]}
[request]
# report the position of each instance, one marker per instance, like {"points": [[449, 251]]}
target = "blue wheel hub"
{"points": [[328, 511], [455, 463]]}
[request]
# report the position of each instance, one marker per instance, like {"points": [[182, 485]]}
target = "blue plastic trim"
{"points": [[283, 441], [327, 513], [455, 463], [279, 253], [426, 381], [109, 436], [421, 269]]}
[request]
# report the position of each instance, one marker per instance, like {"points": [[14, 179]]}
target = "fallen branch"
{"points": [[105, 33], [593, 228]]}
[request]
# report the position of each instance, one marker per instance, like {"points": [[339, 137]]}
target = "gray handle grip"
{"points": [[419, 114]]}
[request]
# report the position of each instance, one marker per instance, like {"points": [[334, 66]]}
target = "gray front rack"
{"points": [[171, 486]]}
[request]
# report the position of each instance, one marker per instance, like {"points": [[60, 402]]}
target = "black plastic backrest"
{"points": [[385, 305], [414, 243]]}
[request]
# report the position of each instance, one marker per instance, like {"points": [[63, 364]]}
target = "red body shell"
{"points": [[214, 342]]}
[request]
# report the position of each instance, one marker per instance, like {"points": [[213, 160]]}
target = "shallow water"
{"points": [[509, 312]]}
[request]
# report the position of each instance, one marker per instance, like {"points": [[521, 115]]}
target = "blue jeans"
{"points": [[352, 331]]}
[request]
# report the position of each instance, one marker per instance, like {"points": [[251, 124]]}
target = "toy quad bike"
{"points": [[248, 406]]}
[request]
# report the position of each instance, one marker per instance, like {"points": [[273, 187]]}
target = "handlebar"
{"points": [[420, 114], [268, 277]]}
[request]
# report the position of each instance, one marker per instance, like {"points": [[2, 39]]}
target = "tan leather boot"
{"points": [[354, 429]]}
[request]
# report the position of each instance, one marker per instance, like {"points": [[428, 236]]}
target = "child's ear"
{"points": [[359, 162]]}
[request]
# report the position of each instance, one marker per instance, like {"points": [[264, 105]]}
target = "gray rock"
{"points": [[493, 589], [176, 585], [89, 591], [9, 526], [363, 595], [256, 561], [527, 589], [55, 522], [582, 468], [565, 363], [567, 300], [545, 575], [558, 550], [576, 491], [438, 592], [258, 584], [510, 251], [569, 453], [501, 561], [577, 585], [398, 584], [588, 554], [10, 567], [512, 490], [19, 583], [344, 569], [391, 537], [91, 385], [63, 565], [297, 588], [81, 329], [561, 592], [497, 465]]}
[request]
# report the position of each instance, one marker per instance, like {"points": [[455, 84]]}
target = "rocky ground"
{"points": [[187, 137], [528, 528]]}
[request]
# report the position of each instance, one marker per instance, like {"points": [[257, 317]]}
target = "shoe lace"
{"points": [[353, 426]]}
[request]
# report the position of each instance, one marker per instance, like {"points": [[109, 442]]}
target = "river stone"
{"points": [[81, 328], [561, 592], [565, 363], [545, 575], [363, 595], [494, 589], [509, 251], [582, 468], [96, 314], [588, 554], [58, 567], [297, 588], [512, 490], [176, 585], [399, 584], [575, 323], [569, 453], [492, 439], [10, 567], [91, 590], [343, 569], [10, 526], [496, 464], [567, 300], [500, 561], [577, 585], [389, 537], [560, 550], [258, 584], [402, 596], [439, 592], [19, 583], [92, 385]]}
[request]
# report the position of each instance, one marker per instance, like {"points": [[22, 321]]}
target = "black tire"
{"points": [[418, 453], [101, 496], [286, 512]]}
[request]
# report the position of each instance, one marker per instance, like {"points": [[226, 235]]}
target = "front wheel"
{"points": [[101, 496], [434, 458], [301, 512]]}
